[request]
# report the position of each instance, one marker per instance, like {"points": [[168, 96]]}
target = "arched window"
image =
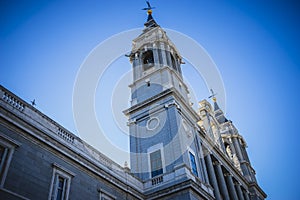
{"points": [[148, 60]]}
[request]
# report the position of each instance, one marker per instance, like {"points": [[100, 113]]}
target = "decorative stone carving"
{"points": [[228, 151], [152, 123], [236, 162]]}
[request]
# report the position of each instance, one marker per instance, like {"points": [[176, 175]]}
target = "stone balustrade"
{"points": [[10, 99], [27, 112], [157, 180]]}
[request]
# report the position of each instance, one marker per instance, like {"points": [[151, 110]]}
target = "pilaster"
{"points": [[155, 54], [163, 53]]}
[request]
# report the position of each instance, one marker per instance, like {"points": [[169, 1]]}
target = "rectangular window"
{"points": [[7, 148], [193, 164], [156, 163], [61, 188], [61, 181], [105, 196], [3, 159]]}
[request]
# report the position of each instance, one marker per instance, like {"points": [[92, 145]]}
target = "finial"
{"points": [[151, 23], [149, 8], [126, 168], [213, 95], [125, 164]]}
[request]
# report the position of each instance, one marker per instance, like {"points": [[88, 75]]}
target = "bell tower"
{"points": [[156, 64], [176, 152], [164, 143]]}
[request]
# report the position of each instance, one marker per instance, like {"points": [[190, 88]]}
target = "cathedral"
{"points": [[176, 152]]}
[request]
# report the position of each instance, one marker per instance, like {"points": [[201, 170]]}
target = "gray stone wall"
{"points": [[31, 168]]}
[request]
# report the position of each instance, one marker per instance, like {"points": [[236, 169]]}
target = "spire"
{"points": [[150, 21], [218, 112], [213, 97], [216, 106]]}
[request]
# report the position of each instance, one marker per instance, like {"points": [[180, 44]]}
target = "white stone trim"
{"points": [[9, 146], [59, 171], [156, 125], [106, 195], [189, 150], [14, 194]]}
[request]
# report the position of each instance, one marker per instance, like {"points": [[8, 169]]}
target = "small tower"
{"points": [[209, 123], [235, 146], [156, 64]]}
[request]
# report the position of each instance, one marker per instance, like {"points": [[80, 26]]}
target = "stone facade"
{"points": [[176, 152], [38, 147]]}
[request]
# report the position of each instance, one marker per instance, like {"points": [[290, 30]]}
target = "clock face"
{"points": [[152, 123]]}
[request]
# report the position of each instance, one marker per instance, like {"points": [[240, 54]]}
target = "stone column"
{"points": [[239, 191], [232, 147], [246, 195], [135, 64], [243, 163], [237, 148], [163, 54], [155, 55], [231, 188], [221, 180], [212, 176], [138, 65], [168, 53]]}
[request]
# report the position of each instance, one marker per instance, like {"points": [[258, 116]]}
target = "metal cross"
{"points": [[213, 94], [149, 6]]}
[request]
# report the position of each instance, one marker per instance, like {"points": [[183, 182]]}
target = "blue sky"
{"points": [[254, 44]]}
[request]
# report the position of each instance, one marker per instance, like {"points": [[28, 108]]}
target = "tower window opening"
{"points": [[156, 163], [148, 60], [147, 82], [173, 63], [193, 164], [60, 188]]}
